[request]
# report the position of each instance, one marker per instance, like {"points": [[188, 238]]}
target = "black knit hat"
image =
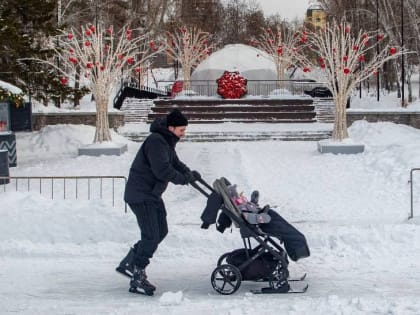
{"points": [[175, 118]]}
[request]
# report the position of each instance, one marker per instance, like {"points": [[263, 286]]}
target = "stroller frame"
{"points": [[226, 278]]}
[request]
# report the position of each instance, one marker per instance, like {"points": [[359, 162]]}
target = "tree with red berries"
{"points": [[189, 46], [343, 57], [280, 46], [101, 54]]}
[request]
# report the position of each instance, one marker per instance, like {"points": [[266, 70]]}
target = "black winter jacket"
{"points": [[155, 165]]}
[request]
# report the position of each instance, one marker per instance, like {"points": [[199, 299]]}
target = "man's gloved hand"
{"points": [[196, 175]]}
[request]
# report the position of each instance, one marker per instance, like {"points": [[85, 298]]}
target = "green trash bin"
{"points": [[4, 167]]}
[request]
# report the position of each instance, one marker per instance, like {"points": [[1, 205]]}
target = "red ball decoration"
{"points": [[130, 60], [346, 70], [73, 60], [380, 36], [361, 58], [231, 85], [137, 69], [89, 65], [63, 80], [88, 33], [87, 43], [70, 36], [355, 47], [306, 69], [393, 50]]}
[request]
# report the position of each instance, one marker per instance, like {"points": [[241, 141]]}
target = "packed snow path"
{"points": [[58, 256]]}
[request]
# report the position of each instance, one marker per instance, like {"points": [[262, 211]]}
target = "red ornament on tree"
{"points": [[63, 80], [393, 50], [231, 85], [87, 43], [70, 36], [346, 70]]}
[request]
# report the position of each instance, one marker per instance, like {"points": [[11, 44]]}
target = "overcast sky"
{"points": [[286, 8]]}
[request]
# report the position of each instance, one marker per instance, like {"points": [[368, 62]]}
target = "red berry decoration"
{"points": [[346, 70], [393, 50], [137, 69], [130, 60], [70, 36], [73, 60], [380, 36], [88, 33], [63, 80], [87, 43], [231, 85], [89, 65], [306, 69]]}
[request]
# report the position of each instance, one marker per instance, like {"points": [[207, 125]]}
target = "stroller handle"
{"points": [[200, 189]]}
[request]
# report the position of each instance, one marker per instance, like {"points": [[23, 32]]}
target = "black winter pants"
{"points": [[151, 218]]}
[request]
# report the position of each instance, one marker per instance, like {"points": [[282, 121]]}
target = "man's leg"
{"points": [[151, 218]]}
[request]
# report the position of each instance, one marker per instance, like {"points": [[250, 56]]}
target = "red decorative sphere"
{"points": [[231, 85]]}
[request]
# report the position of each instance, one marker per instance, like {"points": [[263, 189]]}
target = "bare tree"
{"points": [[189, 46], [101, 55], [340, 54], [280, 46]]}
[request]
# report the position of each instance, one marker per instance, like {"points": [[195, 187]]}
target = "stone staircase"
{"points": [[295, 110], [136, 110], [325, 110]]}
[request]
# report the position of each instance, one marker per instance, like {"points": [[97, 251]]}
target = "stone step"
{"points": [[236, 108], [243, 136], [248, 116]]}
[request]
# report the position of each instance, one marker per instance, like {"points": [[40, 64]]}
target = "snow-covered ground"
{"points": [[58, 256]]}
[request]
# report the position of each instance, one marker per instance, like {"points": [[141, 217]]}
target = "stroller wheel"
{"points": [[226, 279], [222, 258]]}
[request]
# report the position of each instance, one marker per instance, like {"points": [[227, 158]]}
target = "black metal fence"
{"points": [[107, 188], [262, 88]]}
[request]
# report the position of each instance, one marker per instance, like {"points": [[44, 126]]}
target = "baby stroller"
{"points": [[265, 262]]}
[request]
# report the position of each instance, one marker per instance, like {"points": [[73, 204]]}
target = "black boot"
{"points": [[139, 283], [126, 266]]}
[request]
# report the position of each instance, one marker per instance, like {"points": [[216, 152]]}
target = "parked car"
{"points": [[321, 91]]}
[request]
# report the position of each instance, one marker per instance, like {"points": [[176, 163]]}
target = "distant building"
{"points": [[316, 17]]}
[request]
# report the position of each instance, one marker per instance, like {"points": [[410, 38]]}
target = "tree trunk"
{"points": [[280, 74], [340, 120], [102, 124], [187, 77]]}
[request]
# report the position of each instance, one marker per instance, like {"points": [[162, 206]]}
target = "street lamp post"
{"points": [[402, 56], [377, 49]]}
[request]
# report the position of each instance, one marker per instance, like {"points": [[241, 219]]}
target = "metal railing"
{"points": [[254, 87], [411, 192], [55, 186]]}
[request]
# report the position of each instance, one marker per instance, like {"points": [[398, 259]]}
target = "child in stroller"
{"points": [[266, 262]]}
